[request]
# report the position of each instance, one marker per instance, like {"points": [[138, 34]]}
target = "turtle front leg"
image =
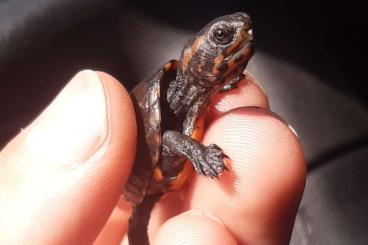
{"points": [[206, 160]]}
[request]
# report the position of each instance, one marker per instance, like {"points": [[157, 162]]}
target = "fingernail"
{"points": [[250, 78], [276, 116], [287, 124], [73, 126], [293, 130]]}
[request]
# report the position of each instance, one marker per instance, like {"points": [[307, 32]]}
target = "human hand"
{"points": [[61, 178]]}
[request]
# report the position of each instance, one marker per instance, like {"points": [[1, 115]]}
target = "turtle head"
{"points": [[222, 47], [219, 51]]}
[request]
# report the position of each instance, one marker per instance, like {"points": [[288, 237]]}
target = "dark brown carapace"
{"points": [[170, 108]]}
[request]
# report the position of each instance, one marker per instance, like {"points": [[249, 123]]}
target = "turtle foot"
{"points": [[211, 162]]}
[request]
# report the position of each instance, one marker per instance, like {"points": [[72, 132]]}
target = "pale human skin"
{"points": [[61, 178]]}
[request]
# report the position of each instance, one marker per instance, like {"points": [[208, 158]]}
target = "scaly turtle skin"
{"points": [[169, 106]]}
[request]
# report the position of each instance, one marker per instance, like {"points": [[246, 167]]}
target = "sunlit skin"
{"points": [[254, 203]]}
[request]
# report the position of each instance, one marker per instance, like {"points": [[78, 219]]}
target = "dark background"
{"points": [[309, 58]]}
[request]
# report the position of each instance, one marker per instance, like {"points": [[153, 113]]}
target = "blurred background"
{"points": [[309, 58]]}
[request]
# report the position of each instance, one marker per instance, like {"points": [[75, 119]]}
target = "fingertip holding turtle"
{"points": [[169, 105]]}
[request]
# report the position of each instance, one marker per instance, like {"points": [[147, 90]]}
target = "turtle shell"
{"points": [[147, 103]]}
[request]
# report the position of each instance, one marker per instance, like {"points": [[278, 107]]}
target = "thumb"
{"points": [[61, 177]]}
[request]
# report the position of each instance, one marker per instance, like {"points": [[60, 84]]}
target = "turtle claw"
{"points": [[210, 162], [225, 156], [228, 158]]}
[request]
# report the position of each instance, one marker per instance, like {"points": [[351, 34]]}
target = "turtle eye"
{"points": [[223, 34]]}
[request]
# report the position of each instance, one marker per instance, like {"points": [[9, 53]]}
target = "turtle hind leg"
{"points": [[138, 221]]}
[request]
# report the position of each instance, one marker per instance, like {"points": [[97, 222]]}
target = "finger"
{"points": [[62, 176], [116, 226], [194, 227], [249, 93], [258, 198]]}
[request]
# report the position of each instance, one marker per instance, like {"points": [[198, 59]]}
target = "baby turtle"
{"points": [[170, 107]]}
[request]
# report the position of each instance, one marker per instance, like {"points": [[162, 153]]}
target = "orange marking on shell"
{"points": [[182, 177], [199, 126], [188, 53], [157, 175], [187, 171], [167, 66]]}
